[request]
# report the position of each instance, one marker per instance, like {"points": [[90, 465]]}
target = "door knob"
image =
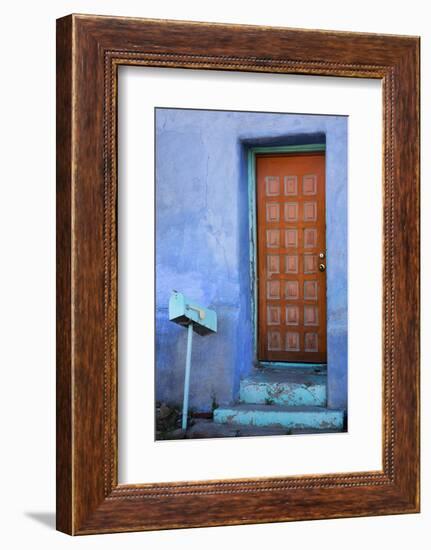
{"points": [[322, 267]]}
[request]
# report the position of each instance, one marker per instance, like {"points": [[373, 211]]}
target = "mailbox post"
{"points": [[199, 319]]}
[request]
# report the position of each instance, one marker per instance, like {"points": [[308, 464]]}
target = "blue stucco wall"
{"points": [[202, 243]]}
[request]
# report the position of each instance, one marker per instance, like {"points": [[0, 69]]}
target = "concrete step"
{"points": [[205, 428], [296, 387], [290, 418]]}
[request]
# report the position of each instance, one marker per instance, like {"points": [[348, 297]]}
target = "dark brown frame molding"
{"points": [[89, 51]]}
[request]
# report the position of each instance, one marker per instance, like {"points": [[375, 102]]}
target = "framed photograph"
{"points": [[237, 274]]}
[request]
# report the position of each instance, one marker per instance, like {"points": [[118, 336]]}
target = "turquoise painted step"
{"points": [[297, 387], [313, 418]]}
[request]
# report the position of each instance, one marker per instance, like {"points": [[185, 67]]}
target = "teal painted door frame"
{"points": [[252, 152]]}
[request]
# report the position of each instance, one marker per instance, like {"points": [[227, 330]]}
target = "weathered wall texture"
{"points": [[202, 243]]}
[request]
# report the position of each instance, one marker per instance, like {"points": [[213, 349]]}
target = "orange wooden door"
{"points": [[291, 257]]}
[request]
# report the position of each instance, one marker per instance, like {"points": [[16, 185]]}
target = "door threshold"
{"points": [[289, 365]]}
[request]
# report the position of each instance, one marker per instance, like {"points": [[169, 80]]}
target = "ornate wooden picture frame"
{"points": [[89, 51]]}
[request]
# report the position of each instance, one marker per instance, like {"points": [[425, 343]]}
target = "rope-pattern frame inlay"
{"points": [[112, 491]]}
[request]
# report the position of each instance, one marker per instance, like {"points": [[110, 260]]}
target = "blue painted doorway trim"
{"points": [[252, 152]]}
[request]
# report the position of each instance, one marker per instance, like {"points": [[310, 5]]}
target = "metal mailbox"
{"points": [[183, 312], [195, 318]]}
